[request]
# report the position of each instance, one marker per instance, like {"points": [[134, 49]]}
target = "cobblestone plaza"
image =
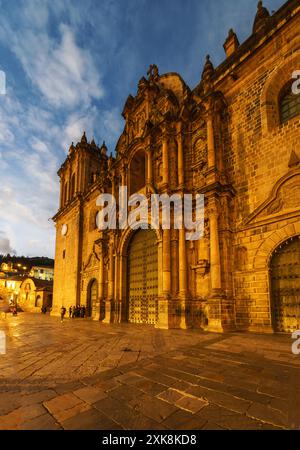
{"points": [[84, 375]]}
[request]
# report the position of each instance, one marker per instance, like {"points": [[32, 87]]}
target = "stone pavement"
{"points": [[87, 375]]}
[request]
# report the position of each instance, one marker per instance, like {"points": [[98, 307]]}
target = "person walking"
{"points": [[70, 312], [62, 313], [73, 312]]}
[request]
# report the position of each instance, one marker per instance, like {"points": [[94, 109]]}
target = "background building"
{"points": [[234, 138], [42, 272], [35, 294]]}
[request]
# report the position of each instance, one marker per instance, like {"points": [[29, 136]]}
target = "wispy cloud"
{"points": [[64, 73]]}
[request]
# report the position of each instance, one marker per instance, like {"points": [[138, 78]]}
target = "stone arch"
{"points": [[126, 237], [281, 75], [265, 251], [273, 196]]}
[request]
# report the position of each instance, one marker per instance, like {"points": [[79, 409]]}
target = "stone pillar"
{"points": [[100, 284], [122, 288], [160, 282], [110, 295], [215, 263], [116, 289], [165, 159], [211, 155], [123, 176], [216, 298], [113, 187], [61, 199], [183, 290], [164, 299], [180, 158], [166, 263], [174, 262], [149, 167], [182, 265]]}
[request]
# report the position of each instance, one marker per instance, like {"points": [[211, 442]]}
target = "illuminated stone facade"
{"points": [[229, 139]]}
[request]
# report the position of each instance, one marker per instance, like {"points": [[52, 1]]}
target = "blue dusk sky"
{"points": [[70, 65]]}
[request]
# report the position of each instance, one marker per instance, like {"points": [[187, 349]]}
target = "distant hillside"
{"points": [[28, 262]]}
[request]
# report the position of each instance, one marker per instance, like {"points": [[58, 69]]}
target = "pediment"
{"points": [[284, 197], [92, 261]]}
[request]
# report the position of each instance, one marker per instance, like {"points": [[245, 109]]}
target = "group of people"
{"points": [[77, 311], [74, 311]]}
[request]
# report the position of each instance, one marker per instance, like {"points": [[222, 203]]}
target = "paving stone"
{"points": [[220, 398], [63, 388], [125, 393], [90, 420], [267, 414], [191, 404], [16, 418], [209, 426], [183, 420], [170, 396], [44, 422], [90, 394], [66, 406], [128, 417], [227, 419], [154, 408], [149, 387]]}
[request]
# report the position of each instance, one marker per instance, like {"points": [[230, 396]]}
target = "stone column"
{"points": [[216, 298], [164, 299], [182, 265], [110, 294], [100, 284], [122, 288], [174, 262], [61, 200], [215, 263], [166, 263], [113, 187], [149, 167], [123, 176], [183, 291], [160, 253], [165, 159], [116, 289], [180, 159], [211, 155]]}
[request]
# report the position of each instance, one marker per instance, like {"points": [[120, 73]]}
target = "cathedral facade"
{"points": [[233, 138]]}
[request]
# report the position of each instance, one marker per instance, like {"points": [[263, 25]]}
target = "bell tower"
{"points": [[84, 167]]}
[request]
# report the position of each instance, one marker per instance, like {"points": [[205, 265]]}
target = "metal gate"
{"points": [[142, 278], [285, 286]]}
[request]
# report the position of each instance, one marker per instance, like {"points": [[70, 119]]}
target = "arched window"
{"points": [[138, 172], [289, 104]]}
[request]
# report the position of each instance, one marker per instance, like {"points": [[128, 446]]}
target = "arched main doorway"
{"points": [[91, 297], [142, 279], [285, 286]]}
